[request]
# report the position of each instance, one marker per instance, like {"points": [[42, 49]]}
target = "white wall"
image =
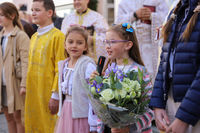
{"points": [[1, 1]]}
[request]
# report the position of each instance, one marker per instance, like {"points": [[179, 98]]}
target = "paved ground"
{"points": [[3, 125], [4, 128]]}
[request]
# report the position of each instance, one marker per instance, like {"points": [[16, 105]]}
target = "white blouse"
{"points": [[67, 74], [3, 46]]}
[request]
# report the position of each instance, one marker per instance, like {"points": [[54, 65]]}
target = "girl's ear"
{"points": [[129, 45], [86, 47], [12, 17]]}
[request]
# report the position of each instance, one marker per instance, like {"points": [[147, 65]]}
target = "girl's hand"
{"points": [[22, 91], [53, 106], [121, 130], [93, 75], [177, 126], [161, 118]]}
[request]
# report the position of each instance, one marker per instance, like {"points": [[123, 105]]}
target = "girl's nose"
{"points": [[107, 47], [74, 44]]}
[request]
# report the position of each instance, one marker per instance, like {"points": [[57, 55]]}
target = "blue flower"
{"points": [[120, 75], [94, 83], [113, 67], [98, 87]]}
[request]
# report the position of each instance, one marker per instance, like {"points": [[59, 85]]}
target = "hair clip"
{"points": [[128, 27], [197, 9]]}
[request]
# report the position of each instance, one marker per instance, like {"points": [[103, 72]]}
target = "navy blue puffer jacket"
{"points": [[186, 69]]}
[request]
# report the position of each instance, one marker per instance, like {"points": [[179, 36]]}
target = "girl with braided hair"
{"points": [[175, 98]]}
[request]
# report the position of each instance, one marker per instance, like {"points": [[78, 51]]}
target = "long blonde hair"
{"points": [[188, 30]]}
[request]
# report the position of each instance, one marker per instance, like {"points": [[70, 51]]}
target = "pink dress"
{"points": [[66, 124]]}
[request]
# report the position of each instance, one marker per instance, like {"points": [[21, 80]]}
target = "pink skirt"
{"points": [[66, 124]]}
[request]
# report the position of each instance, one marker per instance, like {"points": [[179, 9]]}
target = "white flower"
{"points": [[120, 92], [132, 94], [126, 87], [93, 90], [107, 95], [106, 81], [135, 85], [138, 94]]}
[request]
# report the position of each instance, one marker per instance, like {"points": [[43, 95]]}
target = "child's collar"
{"points": [[45, 29]]}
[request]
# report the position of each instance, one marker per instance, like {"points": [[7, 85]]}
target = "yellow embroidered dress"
{"points": [[46, 49]]}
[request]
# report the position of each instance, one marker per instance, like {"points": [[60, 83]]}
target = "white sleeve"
{"points": [[101, 26], [64, 25], [161, 12], [55, 96], [89, 70], [124, 15], [158, 18]]}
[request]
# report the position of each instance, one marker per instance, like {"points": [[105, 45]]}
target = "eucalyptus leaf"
{"points": [[105, 86], [118, 85], [99, 79]]}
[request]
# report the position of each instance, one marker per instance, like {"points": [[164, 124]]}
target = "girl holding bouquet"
{"points": [[73, 75], [121, 44]]}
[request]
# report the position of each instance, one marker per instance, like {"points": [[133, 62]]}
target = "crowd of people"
{"points": [[46, 68]]}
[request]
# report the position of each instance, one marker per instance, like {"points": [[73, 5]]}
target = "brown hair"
{"points": [[190, 25], [134, 52], [48, 5], [82, 32], [188, 30], [8, 9]]}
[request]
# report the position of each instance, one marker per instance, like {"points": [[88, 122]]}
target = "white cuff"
{"points": [[55, 95], [93, 128]]}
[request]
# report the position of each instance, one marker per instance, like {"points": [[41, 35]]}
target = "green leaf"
{"points": [[140, 75], [105, 86], [99, 79], [118, 85]]}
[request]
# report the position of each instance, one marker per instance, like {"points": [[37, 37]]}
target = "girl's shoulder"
{"points": [[19, 33], [146, 75], [86, 59], [136, 66], [61, 62]]}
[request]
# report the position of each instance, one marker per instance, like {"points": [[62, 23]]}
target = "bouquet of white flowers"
{"points": [[119, 98]]}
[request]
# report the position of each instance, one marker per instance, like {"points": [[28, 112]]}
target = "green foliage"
{"points": [[118, 85], [99, 79]]}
